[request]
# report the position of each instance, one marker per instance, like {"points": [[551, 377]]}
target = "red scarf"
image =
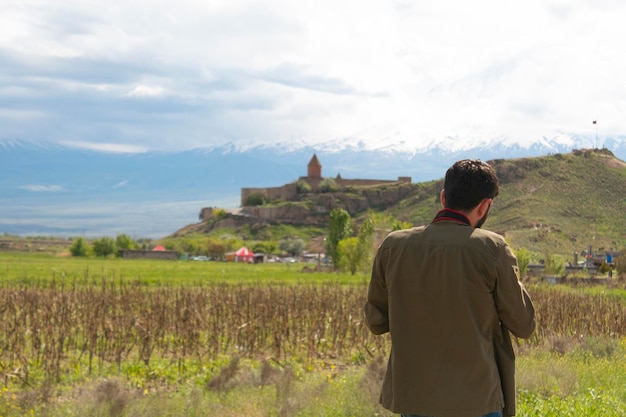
{"points": [[451, 216]]}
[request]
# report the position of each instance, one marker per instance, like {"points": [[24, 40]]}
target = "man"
{"points": [[449, 293]]}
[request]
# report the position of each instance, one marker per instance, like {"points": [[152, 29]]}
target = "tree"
{"points": [[523, 260], [124, 241], [294, 247], [191, 246], [365, 247], [79, 247], [259, 247], [339, 227], [553, 265], [144, 243], [104, 246], [267, 246], [355, 253], [216, 248], [349, 254]]}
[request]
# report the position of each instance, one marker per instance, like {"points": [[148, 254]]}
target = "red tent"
{"points": [[244, 255], [159, 248]]}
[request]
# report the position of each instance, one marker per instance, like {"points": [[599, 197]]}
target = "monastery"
{"points": [[314, 179], [292, 191]]}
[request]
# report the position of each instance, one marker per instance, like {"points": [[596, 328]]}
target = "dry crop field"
{"points": [[63, 323]]}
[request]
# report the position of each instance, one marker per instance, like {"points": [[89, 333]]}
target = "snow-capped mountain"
{"points": [[52, 189]]}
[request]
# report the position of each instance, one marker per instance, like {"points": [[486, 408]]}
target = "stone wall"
{"points": [[149, 254], [285, 192], [288, 191], [205, 213], [369, 183], [288, 213]]}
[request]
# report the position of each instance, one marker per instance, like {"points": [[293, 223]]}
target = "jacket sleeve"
{"points": [[376, 308], [515, 308]]}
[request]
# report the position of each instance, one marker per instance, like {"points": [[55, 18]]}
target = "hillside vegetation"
{"points": [[560, 203], [563, 203]]}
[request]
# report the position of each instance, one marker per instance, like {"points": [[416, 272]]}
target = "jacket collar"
{"points": [[450, 215]]}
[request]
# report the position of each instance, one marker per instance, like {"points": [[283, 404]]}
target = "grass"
{"points": [[587, 381], [253, 391], [549, 384], [105, 337], [20, 269], [562, 202]]}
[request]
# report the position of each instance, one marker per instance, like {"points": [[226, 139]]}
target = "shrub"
{"points": [[124, 241], [604, 268], [328, 185], [104, 246], [219, 213], [255, 199], [348, 254], [264, 247], [303, 187], [294, 247], [79, 247], [620, 263], [523, 260], [553, 265]]}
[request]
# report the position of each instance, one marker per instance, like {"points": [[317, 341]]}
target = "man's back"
{"points": [[443, 291]]}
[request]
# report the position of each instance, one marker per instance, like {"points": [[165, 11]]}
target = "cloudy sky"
{"points": [[124, 75]]}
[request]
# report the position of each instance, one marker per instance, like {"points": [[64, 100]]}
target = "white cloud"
{"points": [[146, 91], [150, 75], [105, 147], [42, 188]]}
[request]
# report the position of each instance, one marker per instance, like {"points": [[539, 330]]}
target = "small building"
{"points": [[242, 254], [259, 258]]}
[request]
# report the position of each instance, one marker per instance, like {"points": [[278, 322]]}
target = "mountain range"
{"points": [[58, 190]]}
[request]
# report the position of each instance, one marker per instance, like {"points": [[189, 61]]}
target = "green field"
{"points": [[114, 337], [16, 269]]}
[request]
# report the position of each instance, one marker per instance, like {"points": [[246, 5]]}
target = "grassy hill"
{"points": [[563, 203], [560, 203]]}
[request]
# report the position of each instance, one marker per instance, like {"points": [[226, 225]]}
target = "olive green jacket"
{"points": [[448, 294]]}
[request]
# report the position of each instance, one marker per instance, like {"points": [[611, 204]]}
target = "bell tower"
{"points": [[314, 168]]}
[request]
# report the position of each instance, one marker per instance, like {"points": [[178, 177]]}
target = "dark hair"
{"points": [[468, 182]]}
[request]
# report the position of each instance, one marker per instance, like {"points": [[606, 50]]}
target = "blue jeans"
{"points": [[494, 414]]}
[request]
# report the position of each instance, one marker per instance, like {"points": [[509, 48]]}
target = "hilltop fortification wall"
{"points": [[289, 191], [285, 192], [369, 183], [364, 193], [313, 208]]}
